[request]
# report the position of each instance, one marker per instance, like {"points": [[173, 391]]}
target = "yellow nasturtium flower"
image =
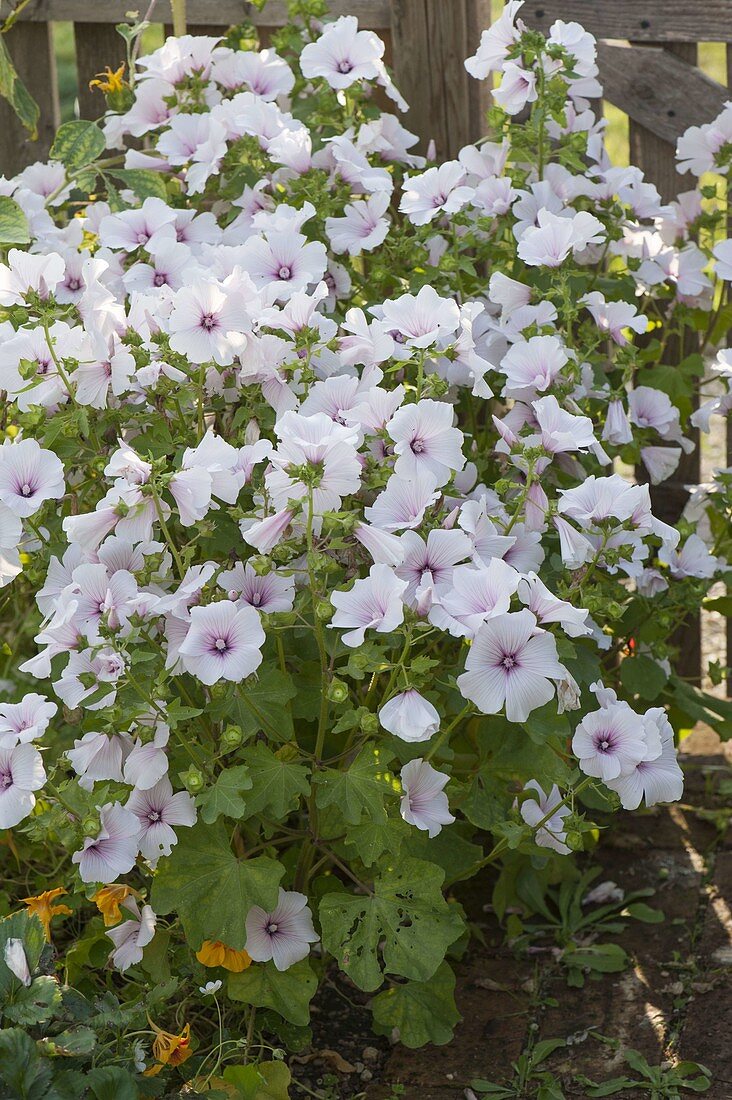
{"points": [[108, 901], [116, 89], [42, 906], [110, 81], [168, 1049], [216, 953]]}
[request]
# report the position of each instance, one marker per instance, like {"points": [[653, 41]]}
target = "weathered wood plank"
{"points": [[656, 157], [431, 40], [97, 45], [371, 13], [660, 91], [728, 627], [639, 20], [31, 49]]}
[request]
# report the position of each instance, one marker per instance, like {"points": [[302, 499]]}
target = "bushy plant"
{"points": [[326, 580]]}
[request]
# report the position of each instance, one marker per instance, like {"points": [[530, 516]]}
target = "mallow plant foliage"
{"points": [[326, 580]]}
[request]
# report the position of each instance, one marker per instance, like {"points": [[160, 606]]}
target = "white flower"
{"points": [[658, 777], [511, 661], [224, 642], [157, 809], [410, 716], [285, 934], [29, 476], [21, 773], [425, 439], [210, 989], [533, 810], [16, 961], [440, 189], [343, 54], [610, 742], [131, 937], [114, 849], [374, 603], [424, 802]]}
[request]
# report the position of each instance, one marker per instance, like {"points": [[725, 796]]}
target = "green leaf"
{"points": [[13, 222], [29, 930], [265, 1081], [359, 790], [406, 911], [545, 723], [371, 839], [77, 144], [265, 706], [14, 90], [224, 798], [288, 992], [424, 1012], [642, 676], [277, 784], [143, 181], [21, 1067], [211, 890], [112, 1083], [73, 1042], [35, 1003], [643, 912]]}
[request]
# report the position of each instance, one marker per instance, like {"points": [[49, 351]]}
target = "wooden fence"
{"points": [[648, 53]]}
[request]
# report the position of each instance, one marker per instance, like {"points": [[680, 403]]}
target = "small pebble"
{"points": [[366, 1075], [369, 1054], [359, 1067]]}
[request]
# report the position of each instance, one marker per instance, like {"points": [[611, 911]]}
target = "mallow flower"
{"points": [[512, 662], [424, 803], [552, 833], [373, 603], [224, 642], [21, 774], [410, 716], [113, 851], [157, 809], [132, 936], [285, 934]]}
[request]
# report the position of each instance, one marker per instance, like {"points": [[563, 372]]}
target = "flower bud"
{"points": [[337, 691], [573, 840], [90, 825], [231, 738], [193, 780], [369, 724], [324, 610]]}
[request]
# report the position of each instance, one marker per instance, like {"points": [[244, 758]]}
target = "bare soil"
{"points": [[673, 1002]]}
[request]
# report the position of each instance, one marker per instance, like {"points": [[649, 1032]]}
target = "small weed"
{"points": [[664, 1082]]}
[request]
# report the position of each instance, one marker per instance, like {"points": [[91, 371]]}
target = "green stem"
{"points": [[503, 843], [440, 740], [166, 532]]}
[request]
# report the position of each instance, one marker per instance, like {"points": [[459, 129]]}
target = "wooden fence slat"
{"points": [[728, 456], [657, 159], [640, 20], [431, 40], [35, 61], [658, 89], [374, 14], [97, 45]]}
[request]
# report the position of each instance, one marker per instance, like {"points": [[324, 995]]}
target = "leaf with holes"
{"points": [[406, 920]]}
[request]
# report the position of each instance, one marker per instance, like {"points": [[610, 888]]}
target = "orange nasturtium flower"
{"points": [[108, 901], [216, 953], [169, 1050], [42, 906]]}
